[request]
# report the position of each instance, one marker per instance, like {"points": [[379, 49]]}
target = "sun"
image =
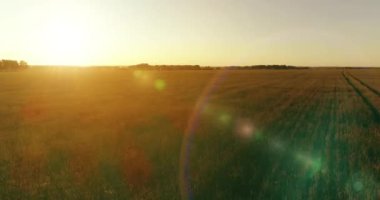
{"points": [[66, 42]]}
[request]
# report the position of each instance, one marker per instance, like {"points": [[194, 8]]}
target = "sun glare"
{"points": [[67, 42]]}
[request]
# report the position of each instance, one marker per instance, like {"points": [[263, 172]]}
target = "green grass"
{"points": [[118, 134]]}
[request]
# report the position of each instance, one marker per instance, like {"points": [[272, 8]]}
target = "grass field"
{"points": [[210, 134]]}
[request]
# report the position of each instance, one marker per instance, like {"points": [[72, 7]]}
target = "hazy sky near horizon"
{"points": [[205, 32]]}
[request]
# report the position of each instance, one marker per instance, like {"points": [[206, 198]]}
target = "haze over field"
{"points": [[205, 32]]}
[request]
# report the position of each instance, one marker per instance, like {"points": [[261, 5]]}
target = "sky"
{"points": [[204, 32]]}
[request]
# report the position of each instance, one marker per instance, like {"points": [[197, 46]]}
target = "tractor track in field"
{"points": [[373, 90], [366, 100]]}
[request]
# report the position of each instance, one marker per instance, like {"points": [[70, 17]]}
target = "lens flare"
{"points": [[160, 84], [245, 128], [363, 185], [311, 164], [137, 74], [202, 102], [358, 186], [225, 118], [145, 77]]}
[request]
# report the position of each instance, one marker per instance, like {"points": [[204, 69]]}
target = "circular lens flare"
{"points": [[245, 129]]}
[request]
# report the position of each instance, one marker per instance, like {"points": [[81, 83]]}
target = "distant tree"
{"points": [[23, 64], [10, 64]]}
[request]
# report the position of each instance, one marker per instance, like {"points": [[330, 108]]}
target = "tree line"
{"points": [[12, 65], [145, 66]]}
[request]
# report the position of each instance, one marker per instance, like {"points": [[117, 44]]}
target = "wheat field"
{"points": [[77, 133]]}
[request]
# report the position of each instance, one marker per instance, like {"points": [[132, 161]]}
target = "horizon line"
{"points": [[213, 66]]}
